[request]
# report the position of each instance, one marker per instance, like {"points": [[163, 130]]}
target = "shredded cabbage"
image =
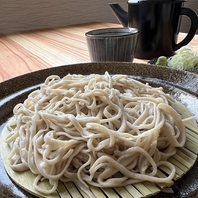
{"points": [[184, 59]]}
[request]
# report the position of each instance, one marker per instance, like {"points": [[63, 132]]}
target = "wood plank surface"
{"points": [[24, 52]]}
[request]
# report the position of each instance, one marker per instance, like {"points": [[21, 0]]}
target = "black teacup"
{"points": [[112, 44]]}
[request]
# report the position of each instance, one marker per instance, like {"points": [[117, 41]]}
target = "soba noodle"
{"points": [[100, 130]]}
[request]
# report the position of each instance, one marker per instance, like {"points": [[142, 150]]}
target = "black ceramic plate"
{"points": [[181, 85], [154, 61]]}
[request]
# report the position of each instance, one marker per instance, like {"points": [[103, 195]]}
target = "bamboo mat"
{"points": [[183, 161]]}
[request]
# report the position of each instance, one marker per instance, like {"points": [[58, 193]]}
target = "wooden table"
{"points": [[21, 53]]}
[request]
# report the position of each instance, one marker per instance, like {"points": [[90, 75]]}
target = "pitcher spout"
{"points": [[120, 13]]}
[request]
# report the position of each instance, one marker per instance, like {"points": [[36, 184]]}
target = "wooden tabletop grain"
{"points": [[24, 52]]}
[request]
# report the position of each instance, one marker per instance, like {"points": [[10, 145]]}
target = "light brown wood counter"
{"points": [[24, 52]]}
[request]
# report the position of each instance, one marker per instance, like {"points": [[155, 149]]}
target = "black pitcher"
{"points": [[158, 22]]}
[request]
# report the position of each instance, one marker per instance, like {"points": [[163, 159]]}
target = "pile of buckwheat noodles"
{"points": [[100, 130]]}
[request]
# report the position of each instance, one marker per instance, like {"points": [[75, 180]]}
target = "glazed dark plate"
{"points": [[154, 61], [181, 85]]}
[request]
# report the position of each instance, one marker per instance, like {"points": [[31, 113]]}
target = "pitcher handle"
{"points": [[193, 28]]}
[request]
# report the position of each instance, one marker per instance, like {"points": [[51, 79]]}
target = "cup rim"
{"points": [[103, 33]]}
